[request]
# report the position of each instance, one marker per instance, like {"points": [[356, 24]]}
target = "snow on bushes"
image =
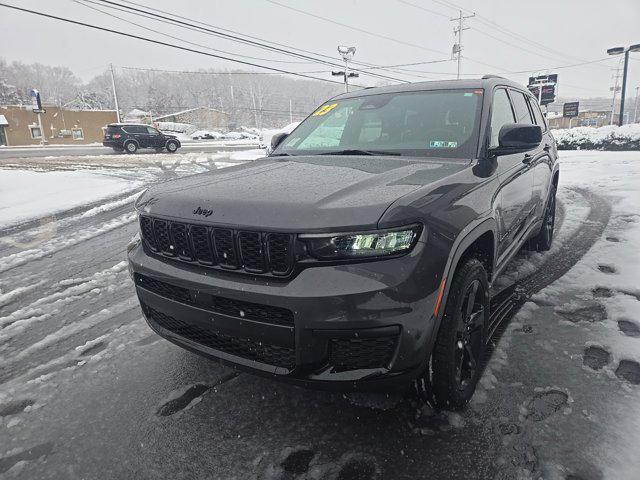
{"points": [[609, 137]]}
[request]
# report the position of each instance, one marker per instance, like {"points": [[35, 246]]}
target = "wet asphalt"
{"points": [[88, 391]]}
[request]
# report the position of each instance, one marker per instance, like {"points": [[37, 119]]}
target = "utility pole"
{"points": [[457, 48], [635, 109], [626, 51], [347, 55], [115, 95], [615, 89], [291, 111]]}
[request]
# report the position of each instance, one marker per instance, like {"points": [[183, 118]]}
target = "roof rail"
{"points": [[488, 76]]}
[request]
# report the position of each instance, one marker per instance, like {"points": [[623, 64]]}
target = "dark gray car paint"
{"points": [[456, 200]]}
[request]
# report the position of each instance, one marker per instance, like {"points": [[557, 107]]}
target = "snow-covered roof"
{"points": [[136, 112], [190, 110]]}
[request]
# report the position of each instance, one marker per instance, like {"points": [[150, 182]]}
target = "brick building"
{"points": [[19, 125]]}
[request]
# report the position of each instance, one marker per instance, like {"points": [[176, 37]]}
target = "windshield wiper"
{"points": [[281, 155], [358, 152]]}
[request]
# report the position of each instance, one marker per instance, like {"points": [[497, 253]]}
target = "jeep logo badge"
{"points": [[203, 211]]}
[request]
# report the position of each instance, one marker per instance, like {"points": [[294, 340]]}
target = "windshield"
{"points": [[436, 123]]}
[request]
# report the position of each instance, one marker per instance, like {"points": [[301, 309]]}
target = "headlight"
{"points": [[362, 245]]}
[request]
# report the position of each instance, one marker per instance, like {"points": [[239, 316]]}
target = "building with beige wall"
{"points": [[19, 125]]}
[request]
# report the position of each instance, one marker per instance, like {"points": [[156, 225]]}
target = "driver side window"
{"points": [[501, 114], [152, 131]]}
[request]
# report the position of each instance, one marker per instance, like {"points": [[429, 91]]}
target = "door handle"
{"points": [[527, 158], [547, 147]]}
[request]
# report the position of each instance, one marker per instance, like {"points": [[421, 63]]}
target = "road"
{"points": [[11, 153], [87, 391]]}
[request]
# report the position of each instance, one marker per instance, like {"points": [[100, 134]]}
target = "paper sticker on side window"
{"points": [[442, 144], [324, 109]]}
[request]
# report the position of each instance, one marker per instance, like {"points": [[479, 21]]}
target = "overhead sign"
{"points": [[551, 78], [548, 93], [36, 103], [570, 109], [548, 85]]}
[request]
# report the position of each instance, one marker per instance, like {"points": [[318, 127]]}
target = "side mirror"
{"points": [[517, 138], [277, 140]]}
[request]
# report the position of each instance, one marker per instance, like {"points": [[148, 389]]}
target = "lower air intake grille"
{"points": [[226, 306], [258, 351], [355, 353]]}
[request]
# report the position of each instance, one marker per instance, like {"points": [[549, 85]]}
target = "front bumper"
{"points": [[365, 326]]}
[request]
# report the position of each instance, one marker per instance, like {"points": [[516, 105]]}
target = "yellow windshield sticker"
{"points": [[325, 109]]}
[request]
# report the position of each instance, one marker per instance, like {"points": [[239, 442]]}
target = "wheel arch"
{"points": [[478, 241]]}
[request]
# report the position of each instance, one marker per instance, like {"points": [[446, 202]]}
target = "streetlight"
{"points": [[347, 55], [619, 51]]}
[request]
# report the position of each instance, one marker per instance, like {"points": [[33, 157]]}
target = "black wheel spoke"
{"points": [[471, 298], [476, 320]]}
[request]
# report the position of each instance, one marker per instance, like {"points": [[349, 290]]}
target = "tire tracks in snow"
{"points": [[506, 303]]}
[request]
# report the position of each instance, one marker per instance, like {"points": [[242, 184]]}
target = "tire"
{"points": [[542, 241], [460, 344], [172, 146], [131, 147]]}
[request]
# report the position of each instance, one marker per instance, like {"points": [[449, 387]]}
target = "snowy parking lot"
{"points": [[88, 391]]}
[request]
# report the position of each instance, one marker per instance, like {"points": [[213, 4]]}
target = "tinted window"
{"points": [[520, 105], [135, 129], [435, 123], [111, 129], [152, 131], [539, 119], [501, 114]]}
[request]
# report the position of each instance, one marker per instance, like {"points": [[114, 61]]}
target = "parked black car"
{"points": [[129, 137], [360, 253]]}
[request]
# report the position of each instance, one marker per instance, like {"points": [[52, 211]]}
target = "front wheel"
{"points": [[172, 146], [460, 344]]}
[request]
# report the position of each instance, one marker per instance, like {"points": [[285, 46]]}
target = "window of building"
{"points": [[77, 134], [501, 114], [35, 132]]}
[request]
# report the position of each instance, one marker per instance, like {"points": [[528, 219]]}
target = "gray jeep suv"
{"points": [[359, 254]]}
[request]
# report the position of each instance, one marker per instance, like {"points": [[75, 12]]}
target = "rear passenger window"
{"points": [[501, 114], [520, 105], [539, 118]]}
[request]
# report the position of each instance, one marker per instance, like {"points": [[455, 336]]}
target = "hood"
{"points": [[299, 193]]}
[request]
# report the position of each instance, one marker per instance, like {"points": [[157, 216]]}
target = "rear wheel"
{"points": [[131, 147], [460, 344], [542, 241], [172, 146]]}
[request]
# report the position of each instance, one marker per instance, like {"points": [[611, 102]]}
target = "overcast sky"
{"points": [[565, 32]]}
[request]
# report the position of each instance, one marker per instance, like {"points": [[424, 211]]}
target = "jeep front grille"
{"points": [[217, 247]]}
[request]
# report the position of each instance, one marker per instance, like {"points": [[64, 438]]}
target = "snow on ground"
{"points": [[25, 194]]}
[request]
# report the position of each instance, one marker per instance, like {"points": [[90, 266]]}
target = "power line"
{"points": [[420, 7], [158, 42], [85, 3], [210, 31], [357, 29], [488, 22]]}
